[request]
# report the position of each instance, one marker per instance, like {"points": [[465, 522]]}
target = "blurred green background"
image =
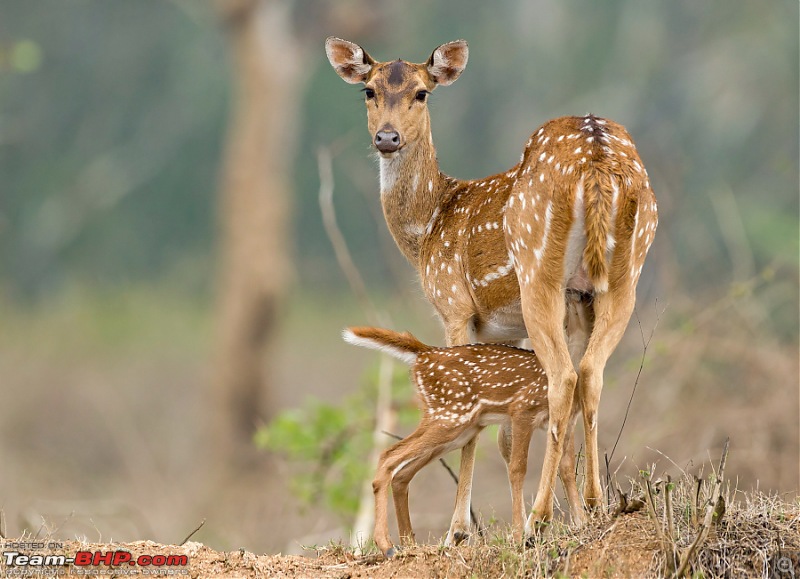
{"points": [[113, 120]]}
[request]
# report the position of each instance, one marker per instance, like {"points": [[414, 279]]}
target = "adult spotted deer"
{"points": [[462, 389], [500, 258]]}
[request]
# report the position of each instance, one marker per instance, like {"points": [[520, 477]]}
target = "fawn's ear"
{"points": [[448, 61], [348, 59]]}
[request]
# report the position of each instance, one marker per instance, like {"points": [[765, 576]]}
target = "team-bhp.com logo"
{"points": [[118, 563]]}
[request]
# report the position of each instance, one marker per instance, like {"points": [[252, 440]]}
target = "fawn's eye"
{"points": [[369, 93], [421, 96]]}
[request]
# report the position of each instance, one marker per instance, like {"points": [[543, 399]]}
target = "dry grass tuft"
{"points": [[758, 536]]}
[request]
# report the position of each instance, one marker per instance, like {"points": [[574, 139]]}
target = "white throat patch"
{"points": [[389, 169]]}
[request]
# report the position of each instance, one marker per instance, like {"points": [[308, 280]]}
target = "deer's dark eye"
{"points": [[369, 93], [421, 96]]}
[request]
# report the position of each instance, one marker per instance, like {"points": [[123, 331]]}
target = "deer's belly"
{"points": [[502, 325], [491, 418], [578, 280]]}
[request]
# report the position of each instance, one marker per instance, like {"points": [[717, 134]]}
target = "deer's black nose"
{"points": [[387, 140]]}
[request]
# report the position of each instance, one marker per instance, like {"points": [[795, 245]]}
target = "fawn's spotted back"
{"points": [[459, 382]]}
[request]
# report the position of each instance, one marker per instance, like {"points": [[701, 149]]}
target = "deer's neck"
{"points": [[412, 190]]}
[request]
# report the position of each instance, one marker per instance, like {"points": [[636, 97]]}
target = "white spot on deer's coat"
{"points": [[548, 218]]}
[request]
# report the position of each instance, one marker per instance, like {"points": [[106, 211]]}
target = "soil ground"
{"points": [[758, 538]]}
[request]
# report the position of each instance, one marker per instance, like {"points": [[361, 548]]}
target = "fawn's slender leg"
{"points": [[612, 312], [400, 482], [458, 334], [460, 524], [566, 471], [393, 458], [521, 430], [504, 441], [578, 325]]}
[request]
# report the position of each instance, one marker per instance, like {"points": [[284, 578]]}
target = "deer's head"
{"points": [[396, 92]]}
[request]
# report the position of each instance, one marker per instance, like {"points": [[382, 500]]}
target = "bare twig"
{"points": [[667, 542], [343, 256], [696, 503], [383, 417], [364, 517], [645, 344], [651, 506], [190, 535], [668, 486], [712, 509]]}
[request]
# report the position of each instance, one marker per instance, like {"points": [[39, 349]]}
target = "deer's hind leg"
{"points": [[544, 317], [612, 311]]}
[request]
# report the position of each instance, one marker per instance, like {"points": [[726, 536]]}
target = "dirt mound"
{"points": [[758, 537]]}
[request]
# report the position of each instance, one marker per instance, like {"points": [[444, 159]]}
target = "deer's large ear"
{"points": [[348, 59], [448, 62]]}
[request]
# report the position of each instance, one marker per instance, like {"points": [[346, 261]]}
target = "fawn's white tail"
{"points": [[402, 346]]}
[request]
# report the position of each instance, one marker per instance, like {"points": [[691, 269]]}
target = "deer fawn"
{"points": [[462, 389], [500, 258]]}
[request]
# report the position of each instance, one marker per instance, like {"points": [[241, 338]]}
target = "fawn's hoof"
{"points": [[390, 552]]}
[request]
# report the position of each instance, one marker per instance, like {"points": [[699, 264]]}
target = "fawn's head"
{"points": [[396, 92]]}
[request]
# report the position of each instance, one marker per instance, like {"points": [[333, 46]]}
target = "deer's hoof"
{"points": [[460, 537], [535, 532], [390, 552]]}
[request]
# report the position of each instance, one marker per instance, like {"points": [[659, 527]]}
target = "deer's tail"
{"points": [[402, 346], [599, 194]]}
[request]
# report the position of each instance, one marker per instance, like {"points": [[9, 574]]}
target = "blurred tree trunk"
{"points": [[254, 214]]}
